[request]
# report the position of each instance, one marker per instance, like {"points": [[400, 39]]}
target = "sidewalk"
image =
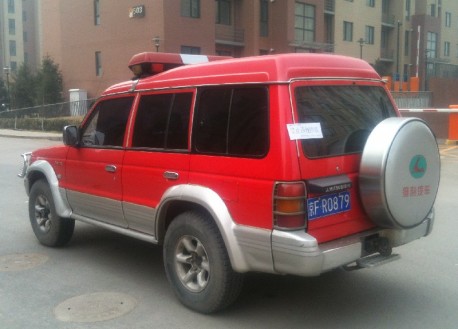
{"points": [[55, 136]]}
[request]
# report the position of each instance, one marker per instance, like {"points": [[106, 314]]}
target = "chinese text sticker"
{"points": [[304, 130]]}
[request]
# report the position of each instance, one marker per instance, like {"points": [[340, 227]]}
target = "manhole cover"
{"points": [[94, 307], [20, 262]]}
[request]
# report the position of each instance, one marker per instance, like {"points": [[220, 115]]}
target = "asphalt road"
{"points": [[111, 281]]}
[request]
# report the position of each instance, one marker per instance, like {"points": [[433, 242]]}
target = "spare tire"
{"points": [[399, 173]]}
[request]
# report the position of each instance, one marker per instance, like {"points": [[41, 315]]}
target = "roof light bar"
{"points": [[149, 63]]}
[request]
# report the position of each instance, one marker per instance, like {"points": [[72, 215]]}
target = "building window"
{"points": [[384, 38], [347, 31], [448, 19], [370, 33], [12, 48], [264, 19], [406, 43], [447, 49], [223, 12], [304, 26], [223, 53], [433, 10], [98, 63], [96, 12], [370, 3], [431, 45], [190, 50], [11, 8], [408, 9], [12, 26], [25, 37], [190, 8]]}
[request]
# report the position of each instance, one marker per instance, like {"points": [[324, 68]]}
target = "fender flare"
{"points": [[211, 202], [60, 200]]}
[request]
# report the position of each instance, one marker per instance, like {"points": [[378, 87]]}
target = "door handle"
{"points": [[171, 175], [110, 168]]}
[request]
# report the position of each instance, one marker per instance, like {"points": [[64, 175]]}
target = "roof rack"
{"points": [[148, 63]]}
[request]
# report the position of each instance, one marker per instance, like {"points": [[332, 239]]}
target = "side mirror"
{"points": [[70, 136]]}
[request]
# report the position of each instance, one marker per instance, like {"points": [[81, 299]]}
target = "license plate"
{"points": [[328, 204]]}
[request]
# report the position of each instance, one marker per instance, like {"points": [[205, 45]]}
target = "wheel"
{"points": [[50, 229], [197, 264]]}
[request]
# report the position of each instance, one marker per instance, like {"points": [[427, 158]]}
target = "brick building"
{"points": [[92, 40]]}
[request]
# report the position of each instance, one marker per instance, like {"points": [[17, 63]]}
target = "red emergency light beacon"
{"points": [[148, 63]]}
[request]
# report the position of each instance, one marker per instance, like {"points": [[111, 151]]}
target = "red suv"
{"points": [[289, 164]]}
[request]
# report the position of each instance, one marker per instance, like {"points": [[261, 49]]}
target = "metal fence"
{"points": [[66, 109], [413, 100], [404, 100]]}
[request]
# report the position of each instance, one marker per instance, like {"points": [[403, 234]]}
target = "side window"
{"points": [[107, 124], [163, 121], [232, 121]]}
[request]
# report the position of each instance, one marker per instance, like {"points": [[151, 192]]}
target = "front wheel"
{"points": [[197, 264], [50, 229]]}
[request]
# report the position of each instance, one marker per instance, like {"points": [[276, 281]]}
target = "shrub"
{"points": [[45, 124]]}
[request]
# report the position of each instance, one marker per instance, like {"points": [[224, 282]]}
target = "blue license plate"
{"points": [[328, 204]]}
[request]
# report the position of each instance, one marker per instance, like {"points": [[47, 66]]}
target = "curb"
{"points": [[24, 134]]}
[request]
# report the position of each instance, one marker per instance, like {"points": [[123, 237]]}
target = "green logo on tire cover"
{"points": [[418, 166]]}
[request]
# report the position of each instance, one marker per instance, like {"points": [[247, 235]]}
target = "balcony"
{"points": [[312, 47], [388, 20], [229, 35], [330, 6], [386, 55]]}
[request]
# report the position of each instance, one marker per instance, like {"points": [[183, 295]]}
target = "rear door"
{"points": [[231, 150], [93, 170], [158, 155], [332, 124]]}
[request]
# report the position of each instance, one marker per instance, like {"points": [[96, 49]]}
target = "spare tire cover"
{"points": [[399, 173]]}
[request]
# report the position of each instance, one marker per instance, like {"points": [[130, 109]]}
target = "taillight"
{"points": [[289, 206]]}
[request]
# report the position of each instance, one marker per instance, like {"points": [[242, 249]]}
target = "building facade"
{"points": [[92, 40], [18, 34]]}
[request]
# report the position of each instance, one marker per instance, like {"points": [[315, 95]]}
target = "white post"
{"points": [[418, 51]]}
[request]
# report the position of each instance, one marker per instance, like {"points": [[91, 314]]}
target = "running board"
{"points": [[372, 261], [117, 229]]}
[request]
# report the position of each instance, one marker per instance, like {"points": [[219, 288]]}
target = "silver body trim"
{"points": [[249, 248], [140, 218], [299, 253], [117, 229], [98, 208]]}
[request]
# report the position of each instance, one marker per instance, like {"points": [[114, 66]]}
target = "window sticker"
{"points": [[305, 131]]}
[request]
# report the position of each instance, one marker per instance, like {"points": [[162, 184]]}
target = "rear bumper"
{"points": [[299, 253]]}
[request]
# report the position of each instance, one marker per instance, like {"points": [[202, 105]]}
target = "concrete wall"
{"points": [[437, 121]]}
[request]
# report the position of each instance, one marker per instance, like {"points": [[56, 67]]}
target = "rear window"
{"points": [[345, 114]]}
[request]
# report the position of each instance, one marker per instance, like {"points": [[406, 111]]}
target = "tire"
{"points": [[197, 264], [50, 229]]}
